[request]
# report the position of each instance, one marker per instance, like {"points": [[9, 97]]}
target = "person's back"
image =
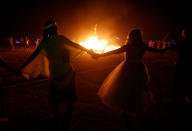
{"points": [[135, 47], [62, 77], [57, 54], [134, 53], [126, 87]]}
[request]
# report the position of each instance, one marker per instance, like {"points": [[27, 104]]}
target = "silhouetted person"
{"points": [[2, 101], [183, 66], [62, 76], [126, 86], [11, 42]]}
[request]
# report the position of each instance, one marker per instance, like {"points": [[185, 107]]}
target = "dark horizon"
{"points": [[76, 18]]}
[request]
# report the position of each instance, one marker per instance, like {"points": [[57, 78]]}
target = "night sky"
{"points": [[76, 18]]}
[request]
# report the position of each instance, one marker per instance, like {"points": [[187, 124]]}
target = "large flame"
{"points": [[99, 46]]}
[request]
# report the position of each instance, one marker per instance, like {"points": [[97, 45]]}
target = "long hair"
{"points": [[135, 38]]}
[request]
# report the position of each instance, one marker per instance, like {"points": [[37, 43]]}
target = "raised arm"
{"points": [[73, 44], [116, 51], [78, 46]]}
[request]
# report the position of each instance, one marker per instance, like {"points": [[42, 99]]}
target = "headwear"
{"points": [[49, 24]]}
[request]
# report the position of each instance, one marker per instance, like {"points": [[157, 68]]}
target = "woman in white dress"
{"points": [[125, 88]]}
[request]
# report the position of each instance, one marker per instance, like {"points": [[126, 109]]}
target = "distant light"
{"points": [[17, 42]]}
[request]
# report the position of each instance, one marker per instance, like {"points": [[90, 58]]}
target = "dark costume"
{"points": [[183, 69]]}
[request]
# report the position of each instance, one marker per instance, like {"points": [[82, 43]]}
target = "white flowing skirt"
{"points": [[126, 87]]}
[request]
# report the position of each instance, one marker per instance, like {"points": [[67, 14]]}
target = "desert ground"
{"points": [[27, 100]]}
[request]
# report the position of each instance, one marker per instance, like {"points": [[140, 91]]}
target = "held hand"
{"points": [[90, 52], [95, 56]]}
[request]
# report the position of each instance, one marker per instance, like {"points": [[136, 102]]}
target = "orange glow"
{"points": [[99, 46]]}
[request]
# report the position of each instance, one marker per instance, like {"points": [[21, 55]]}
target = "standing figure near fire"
{"points": [[183, 66], [125, 88], [62, 76]]}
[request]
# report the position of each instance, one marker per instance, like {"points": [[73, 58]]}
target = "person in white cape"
{"points": [[52, 59]]}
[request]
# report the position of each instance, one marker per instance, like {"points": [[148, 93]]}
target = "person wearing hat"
{"points": [[62, 76]]}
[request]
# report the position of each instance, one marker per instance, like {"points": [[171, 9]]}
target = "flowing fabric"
{"points": [[40, 65], [126, 87], [37, 67], [54, 61]]}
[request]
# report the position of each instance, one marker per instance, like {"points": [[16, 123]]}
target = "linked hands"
{"points": [[93, 54]]}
